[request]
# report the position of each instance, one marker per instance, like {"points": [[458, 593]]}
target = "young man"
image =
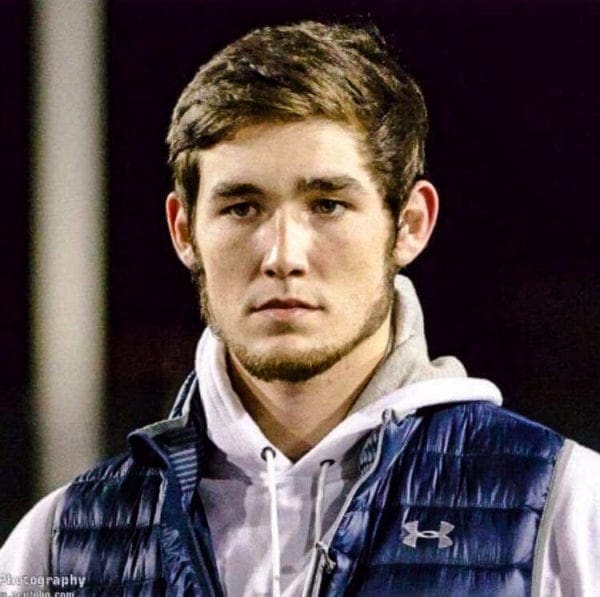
{"points": [[316, 449]]}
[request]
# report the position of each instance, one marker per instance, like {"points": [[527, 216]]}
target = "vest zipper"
{"points": [[323, 562], [215, 591]]}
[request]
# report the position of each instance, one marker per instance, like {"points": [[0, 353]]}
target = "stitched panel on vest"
{"points": [[102, 555], [470, 480], [111, 503], [487, 429]]}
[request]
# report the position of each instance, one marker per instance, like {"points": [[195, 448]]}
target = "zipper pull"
{"points": [[323, 550]]}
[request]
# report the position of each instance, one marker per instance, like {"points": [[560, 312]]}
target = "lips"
{"points": [[289, 303], [285, 310]]}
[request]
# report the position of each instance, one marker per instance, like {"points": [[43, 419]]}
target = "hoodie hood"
{"points": [[408, 361]]}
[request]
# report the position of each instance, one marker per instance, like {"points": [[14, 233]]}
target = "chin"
{"points": [[289, 361]]}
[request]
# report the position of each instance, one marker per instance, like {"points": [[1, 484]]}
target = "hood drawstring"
{"points": [[319, 500], [268, 455], [319, 546]]}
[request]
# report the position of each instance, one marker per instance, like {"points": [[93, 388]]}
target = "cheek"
{"points": [[212, 239], [226, 260], [362, 250]]}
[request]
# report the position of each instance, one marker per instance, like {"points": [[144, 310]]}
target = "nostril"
{"points": [[283, 272]]}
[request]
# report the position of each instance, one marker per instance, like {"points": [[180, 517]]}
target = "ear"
{"points": [[416, 222], [180, 229]]}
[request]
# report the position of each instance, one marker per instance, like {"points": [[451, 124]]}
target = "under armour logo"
{"points": [[414, 534]]}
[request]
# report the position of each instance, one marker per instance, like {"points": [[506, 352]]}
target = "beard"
{"points": [[301, 365]]}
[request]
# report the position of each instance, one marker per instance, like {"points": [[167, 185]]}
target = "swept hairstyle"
{"points": [[289, 73]]}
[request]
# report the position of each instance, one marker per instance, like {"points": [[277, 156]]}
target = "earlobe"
{"points": [[416, 222], [180, 230]]}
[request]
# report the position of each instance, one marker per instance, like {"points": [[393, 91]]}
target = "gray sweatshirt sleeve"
{"points": [[25, 553]]}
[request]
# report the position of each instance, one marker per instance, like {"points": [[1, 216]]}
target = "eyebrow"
{"points": [[226, 190], [323, 184], [328, 184]]}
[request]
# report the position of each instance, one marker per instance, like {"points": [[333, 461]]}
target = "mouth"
{"points": [[284, 309], [284, 304]]}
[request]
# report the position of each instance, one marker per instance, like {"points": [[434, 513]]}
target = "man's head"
{"points": [[296, 153], [297, 72]]}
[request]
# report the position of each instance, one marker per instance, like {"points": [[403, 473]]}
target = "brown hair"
{"points": [[288, 73]]}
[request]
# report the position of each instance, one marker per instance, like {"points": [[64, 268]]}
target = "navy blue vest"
{"points": [[450, 502]]}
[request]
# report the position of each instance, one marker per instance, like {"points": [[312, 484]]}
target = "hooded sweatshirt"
{"points": [[265, 516]]}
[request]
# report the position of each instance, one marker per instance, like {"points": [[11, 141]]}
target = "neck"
{"points": [[295, 416]]}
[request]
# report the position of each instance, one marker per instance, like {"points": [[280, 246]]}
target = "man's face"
{"points": [[293, 247]]}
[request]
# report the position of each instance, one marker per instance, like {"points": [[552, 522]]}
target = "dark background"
{"points": [[510, 282]]}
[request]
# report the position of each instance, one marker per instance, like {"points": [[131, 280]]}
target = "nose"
{"points": [[287, 244]]}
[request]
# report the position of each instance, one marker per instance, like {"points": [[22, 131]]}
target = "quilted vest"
{"points": [[449, 502]]}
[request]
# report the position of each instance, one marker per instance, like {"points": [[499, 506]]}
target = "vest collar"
{"points": [[178, 444]]}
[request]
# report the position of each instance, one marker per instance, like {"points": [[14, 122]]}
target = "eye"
{"points": [[329, 207], [240, 210]]}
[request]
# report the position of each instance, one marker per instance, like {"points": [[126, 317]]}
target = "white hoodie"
{"points": [[239, 498]]}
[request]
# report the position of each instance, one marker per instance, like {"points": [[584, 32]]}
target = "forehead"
{"points": [[278, 155]]}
